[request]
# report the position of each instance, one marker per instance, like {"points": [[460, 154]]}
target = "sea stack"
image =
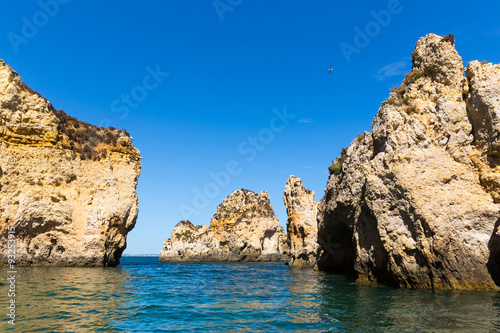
{"points": [[301, 226], [67, 188], [244, 228], [415, 201]]}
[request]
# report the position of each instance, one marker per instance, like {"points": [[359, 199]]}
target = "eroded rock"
{"points": [[302, 228], [244, 228], [483, 105], [414, 204], [69, 195]]}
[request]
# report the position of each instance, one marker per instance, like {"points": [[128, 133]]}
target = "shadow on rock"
{"points": [[494, 260]]}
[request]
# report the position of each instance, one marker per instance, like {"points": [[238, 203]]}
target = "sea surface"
{"points": [[144, 295]]}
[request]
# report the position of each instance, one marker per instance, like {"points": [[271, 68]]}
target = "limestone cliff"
{"points": [[244, 228], [415, 201], [66, 186], [189, 242], [302, 229]]}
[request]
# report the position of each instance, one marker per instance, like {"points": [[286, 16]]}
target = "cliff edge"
{"points": [[67, 188], [415, 201]]}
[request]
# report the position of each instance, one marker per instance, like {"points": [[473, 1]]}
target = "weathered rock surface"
{"points": [[189, 242], [415, 203], [244, 228], [68, 188], [302, 227]]}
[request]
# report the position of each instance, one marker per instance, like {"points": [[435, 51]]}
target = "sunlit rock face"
{"points": [[67, 188], [244, 228], [416, 202], [302, 227]]}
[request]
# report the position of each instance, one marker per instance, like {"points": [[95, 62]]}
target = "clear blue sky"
{"points": [[229, 68]]}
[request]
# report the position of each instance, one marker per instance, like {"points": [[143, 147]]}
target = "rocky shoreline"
{"points": [[412, 203]]}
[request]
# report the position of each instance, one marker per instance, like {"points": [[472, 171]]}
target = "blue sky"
{"points": [[222, 72]]}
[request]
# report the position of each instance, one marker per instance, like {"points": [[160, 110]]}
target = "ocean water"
{"points": [[144, 295]]}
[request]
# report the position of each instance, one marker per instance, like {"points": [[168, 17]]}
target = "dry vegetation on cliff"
{"points": [[28, 118], [89, 141]]}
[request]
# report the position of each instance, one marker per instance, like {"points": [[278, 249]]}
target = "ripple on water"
{"points": [[146, 295]]}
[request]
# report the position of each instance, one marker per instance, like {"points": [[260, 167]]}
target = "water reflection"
{"points": [[144, 295], [377, 309], [56, 299]]}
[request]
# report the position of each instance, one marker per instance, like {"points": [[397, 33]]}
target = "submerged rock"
{"points": [[67, 188], [244, 228], [415, 200], [302, 228]]}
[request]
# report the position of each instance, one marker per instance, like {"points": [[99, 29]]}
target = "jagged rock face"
{"points": [[302, 227], [244, 228], [67, 209], [484, 106], [189, 242], [416, 203], [245, 223]]}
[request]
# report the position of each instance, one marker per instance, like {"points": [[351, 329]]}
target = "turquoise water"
{"points": [[144, 295]]}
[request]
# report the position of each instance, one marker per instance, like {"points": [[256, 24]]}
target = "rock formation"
{"points": [[189, 242], [244, 228], [415, 201], [67, 187], [302, 228]]}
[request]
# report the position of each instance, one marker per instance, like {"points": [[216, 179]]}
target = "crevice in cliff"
{"points": [[466, 91], [370, 242], [493, 263], [336, 241]]}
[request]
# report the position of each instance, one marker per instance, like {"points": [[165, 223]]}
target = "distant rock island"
{"points": [[244, 228], [67, 188]]}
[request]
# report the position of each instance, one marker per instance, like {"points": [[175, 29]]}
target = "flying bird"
{"points": [[331, 69]]}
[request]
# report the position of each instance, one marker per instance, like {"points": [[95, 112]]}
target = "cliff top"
{"points": [[28, 118], [241, 205]]}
